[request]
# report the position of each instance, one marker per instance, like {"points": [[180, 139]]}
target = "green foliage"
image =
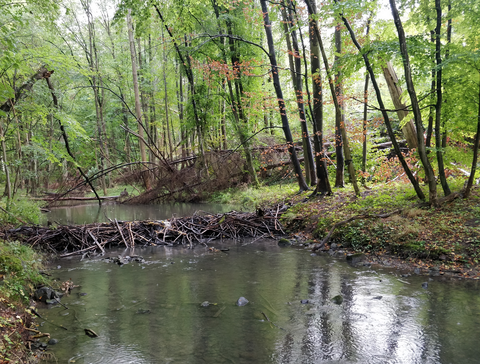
{"points": [[251, 197], [19, 210], [19, 271]]}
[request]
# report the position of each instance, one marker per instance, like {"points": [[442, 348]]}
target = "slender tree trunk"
{"points": [[286, 26], [167, 120], [323, 183], [339, 116], [281, 103], [8, 184], [364, 129], [438, 106], [447, 55], [153, 114], [416, 108], [428, 139], [237, 101], [92, 58], [346, 147], [298, 87], [386, 118], [143, 98], [476, 146], [65, 139], [138, 107]]}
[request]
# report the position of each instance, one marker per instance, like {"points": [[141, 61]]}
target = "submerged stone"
{"points": [[52, 342], [338, 300], [304, 302], [242, 301], [354, 259], [45, 294], [205, 304], [284, 242], [425, 285]]}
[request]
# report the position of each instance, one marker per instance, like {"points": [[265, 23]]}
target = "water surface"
{"points": [[91, 213], [151, 312]]}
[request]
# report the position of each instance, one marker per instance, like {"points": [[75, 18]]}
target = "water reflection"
{"points": [[91, 213], [151, 312]]}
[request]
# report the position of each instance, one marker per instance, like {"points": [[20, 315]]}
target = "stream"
{"points": [[152, 312]]}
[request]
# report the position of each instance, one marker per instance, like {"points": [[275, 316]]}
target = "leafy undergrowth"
{"points": [[19, 275], [445, 239]]}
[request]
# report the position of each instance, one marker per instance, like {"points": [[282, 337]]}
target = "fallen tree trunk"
{"points": [[74, 198]]}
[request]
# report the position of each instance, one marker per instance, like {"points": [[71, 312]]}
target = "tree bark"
{"points": [[396, 147], [476, 145], [438, 106], [281, 102], [138, 106], [22, 91], [65, 139], [346, 147], [415, 106], [298, 87], [339, 116], [408, 130], [323, 183]]}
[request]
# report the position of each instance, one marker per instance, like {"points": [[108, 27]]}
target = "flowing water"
{"points": [[152, 312]]}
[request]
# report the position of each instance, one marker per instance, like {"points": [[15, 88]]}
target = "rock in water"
{"points": [[45, 294], [205, 304], [337, 300], [284, 242], [304, 302], [425, 285], [242, 301], [52, 341]]}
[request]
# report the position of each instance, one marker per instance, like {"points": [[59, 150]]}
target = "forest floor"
{"points": [[414, 237]]}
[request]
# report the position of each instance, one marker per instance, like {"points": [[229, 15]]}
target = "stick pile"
{"points": [[197, 229]]}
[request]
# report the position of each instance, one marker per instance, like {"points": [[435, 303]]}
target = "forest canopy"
{"points": [[186, 97]]}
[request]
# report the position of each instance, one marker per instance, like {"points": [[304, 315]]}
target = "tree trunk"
{"points": [[339, 116], [167, 120], [438, 106], [281, 103], [415, 106], [396, 147], [65, 139], [346, 148], [408, 130], [237, 104], [476, 145], [298, 87], [8, 184], [138, 107], [323, 183], [428, 139]]}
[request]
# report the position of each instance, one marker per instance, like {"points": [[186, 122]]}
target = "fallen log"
{"points": [[200, 228], [75, 198]]}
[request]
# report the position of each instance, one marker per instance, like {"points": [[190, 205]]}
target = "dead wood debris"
{"points": [[198, 229]]}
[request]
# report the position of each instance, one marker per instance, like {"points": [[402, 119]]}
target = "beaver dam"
{"points": [[201, 228]]}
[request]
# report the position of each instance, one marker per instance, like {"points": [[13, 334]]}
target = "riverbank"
{"points": [[388, 225], [19, 274]]}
